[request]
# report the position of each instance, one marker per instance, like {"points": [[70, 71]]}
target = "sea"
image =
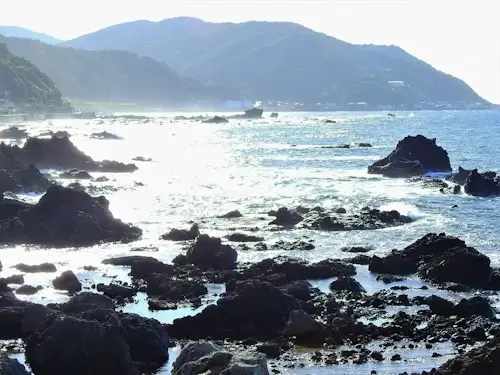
{"points": [[200, 171]]}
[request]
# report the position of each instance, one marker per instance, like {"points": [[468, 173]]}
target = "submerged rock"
{"points": [[438, 258], [66, 217], [413, 156], [61, 153], [203, 357]]}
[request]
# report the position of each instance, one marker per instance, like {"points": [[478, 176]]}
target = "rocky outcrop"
{"points": [[338, 219], [105, 136], [482, 184], [254, 310], [17, 176], [413, 156], [67, 281], [484, 360], [60, 153], [209, 253], [216, 120], [438, 258], [182, 234], [203, 357], [66, 217], [13, 132], [76, 174]]}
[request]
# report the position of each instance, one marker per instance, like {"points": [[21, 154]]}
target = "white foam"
{"points": [[405, 209]]}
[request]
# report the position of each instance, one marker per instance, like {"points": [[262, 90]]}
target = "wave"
{"points": [[405, 209]]}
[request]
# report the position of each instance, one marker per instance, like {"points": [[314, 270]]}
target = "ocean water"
{"points": [[200, 171]]}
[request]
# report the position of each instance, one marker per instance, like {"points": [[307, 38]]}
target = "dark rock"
{"points": [[13, 132], [163, 287], [28, 290], [216, 120], [60, 153], [231, 215], [328, 121], [360, 259], [301, 323], [293, 246], [299, 289], [66, 217], [242, 237], [11, 366], [466, 308], [482, 185], [256, 310], [67, 281], [148, 341], [141, 269], [271, 350], [197, 358], [356, 249], [484, 360], [439, 258], [347, 284], [76, 174], [127, 260], [36, 268], [209, 253], [115, 291], [413, 156], [365, 145], [285, 217], [182, 234], [85, 301], [11, 318], [274, 115], [105, 135], [142, 158], [67, 345], [34, 316], [15, 279]]}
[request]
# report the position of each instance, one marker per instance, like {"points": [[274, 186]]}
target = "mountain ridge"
{"points": [[21, 32], [282, 61], [113, 75]]}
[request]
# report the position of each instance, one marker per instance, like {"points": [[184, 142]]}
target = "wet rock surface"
{"points": [[66, 217], [413, 156]]}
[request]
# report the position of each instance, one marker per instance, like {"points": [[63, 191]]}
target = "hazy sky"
{"points": [[460, 37]]}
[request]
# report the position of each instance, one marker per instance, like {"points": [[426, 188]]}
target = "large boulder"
{"points": [[61, 153], [209, 253], [67, 217], [67, 281], [482, 184], [68, 345], [11, 366], [203, 357], [413, 156], [438, 258], [255, 310]]}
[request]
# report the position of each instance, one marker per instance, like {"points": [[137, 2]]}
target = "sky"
{"points": [[459, 37]]}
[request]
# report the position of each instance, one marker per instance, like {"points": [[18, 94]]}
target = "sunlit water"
{"points": [[200, 171]]}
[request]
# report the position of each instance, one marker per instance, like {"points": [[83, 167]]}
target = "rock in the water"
{"points": [[11, 366], [255, 310], [163, 287], [482, 185], [285, 217], [242, 237], [115, 291], [347, 284], [182, 234], [438, 258], [66, 217], [198, 358], [61, 153], [85, 301], [68, 345], [67, 281], [413, 156], [76, 174], [301, 323], [28, 290], [231, 215], [36, 268], [13, 132], [216, 120], [209, 253], [105, 135]]}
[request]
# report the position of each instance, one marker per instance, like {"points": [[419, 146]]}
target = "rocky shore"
{"points": [[270, 309]]}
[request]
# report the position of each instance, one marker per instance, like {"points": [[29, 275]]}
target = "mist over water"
{"points": [[200, 171]]}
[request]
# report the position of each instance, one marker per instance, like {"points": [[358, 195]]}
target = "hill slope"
{"points": [[20, 32], [282, 61], [112, 75], [27, 86]]}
